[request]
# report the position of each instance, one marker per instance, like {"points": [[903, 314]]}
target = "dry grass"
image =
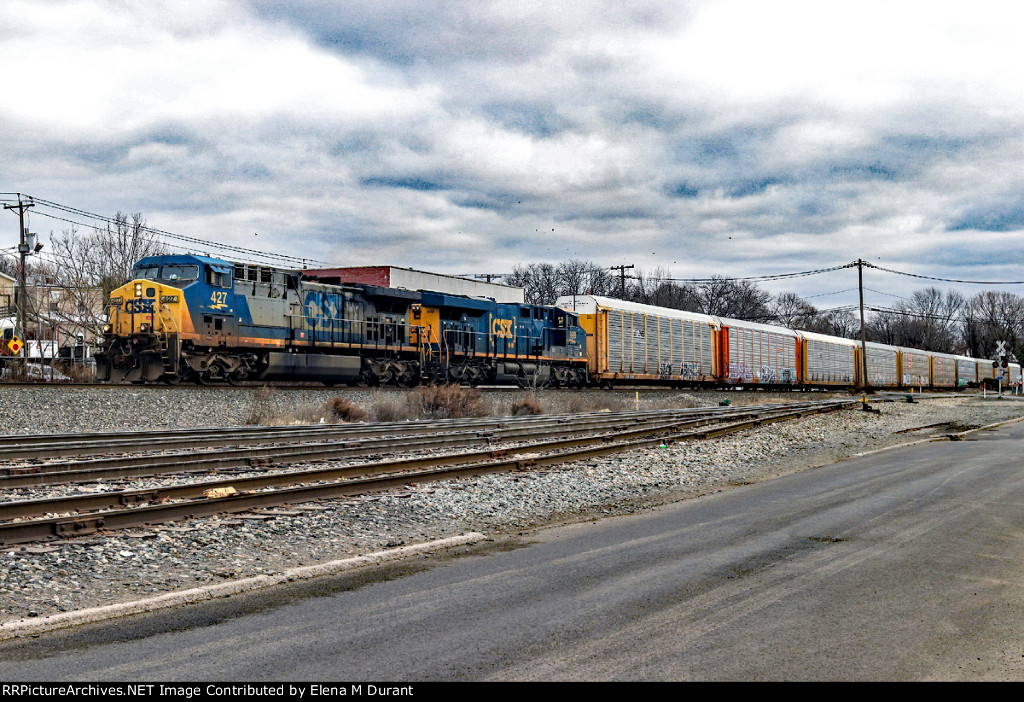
{"points": [[341, 409], [447, 402], [528, 405], [391, 407], [261, 408], [78, 372]]}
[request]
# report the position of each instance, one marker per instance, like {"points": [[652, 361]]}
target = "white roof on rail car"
{"points": [[884, 347], [815, 336], [757, 326], [589, 304]]}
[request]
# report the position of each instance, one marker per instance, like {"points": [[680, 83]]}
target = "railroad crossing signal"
{"points": [[15, 345], [1001, 353]]}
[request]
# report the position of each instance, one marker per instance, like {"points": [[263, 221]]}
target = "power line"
{"points": [[74, 211], [959, 317], [946, 280], [811, 297], [777, 276]]}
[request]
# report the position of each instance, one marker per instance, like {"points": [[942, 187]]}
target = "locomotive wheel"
{"points": [[237, 377]]}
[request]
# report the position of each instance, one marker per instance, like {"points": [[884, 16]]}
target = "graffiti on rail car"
{"points": [[740, 371], [689, 370]]}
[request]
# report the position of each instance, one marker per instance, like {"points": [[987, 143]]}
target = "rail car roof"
{"points": [[589, 304], [757, 326], [961, 357], [913, 350], [828, 338]]}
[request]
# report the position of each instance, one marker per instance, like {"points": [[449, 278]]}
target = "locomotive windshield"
{"points": [[175, 273]]}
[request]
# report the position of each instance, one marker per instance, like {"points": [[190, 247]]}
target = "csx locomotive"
{"points": [[199, 319]]}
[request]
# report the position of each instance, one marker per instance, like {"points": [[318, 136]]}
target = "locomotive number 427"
{"points": [[219, 300]]}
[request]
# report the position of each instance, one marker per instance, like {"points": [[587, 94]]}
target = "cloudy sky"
{"points": [[743, 138]]}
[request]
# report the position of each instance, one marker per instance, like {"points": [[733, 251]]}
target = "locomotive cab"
{"points": [[173, 304]]}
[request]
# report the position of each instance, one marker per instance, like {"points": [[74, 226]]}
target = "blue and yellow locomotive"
{"points": [[199, 319]]}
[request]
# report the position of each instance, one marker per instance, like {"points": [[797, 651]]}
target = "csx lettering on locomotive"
{"points": [[139, 306], [503, 328]]}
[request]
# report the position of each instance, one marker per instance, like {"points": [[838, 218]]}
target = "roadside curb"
{"points": [[23, 627]]}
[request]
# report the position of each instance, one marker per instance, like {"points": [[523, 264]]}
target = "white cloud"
{"points": [[461, 133]]}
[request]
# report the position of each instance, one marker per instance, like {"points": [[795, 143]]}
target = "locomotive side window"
{"points": [[218, 279]]}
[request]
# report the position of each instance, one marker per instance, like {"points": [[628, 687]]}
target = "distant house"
{"points": [[7, 287], [66, 315]]}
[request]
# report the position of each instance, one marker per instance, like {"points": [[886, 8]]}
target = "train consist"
{"points": [[193, 318], [629, 342], [198, 319]]}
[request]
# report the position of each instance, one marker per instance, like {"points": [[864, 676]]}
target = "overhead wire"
{"points": [[945, 280], [74, 211]]}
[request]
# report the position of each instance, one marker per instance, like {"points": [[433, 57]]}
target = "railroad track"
{"points": [[31, 520], [269, 446]]}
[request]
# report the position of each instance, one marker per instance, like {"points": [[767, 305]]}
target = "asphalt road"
{"points": [[903, 565]]}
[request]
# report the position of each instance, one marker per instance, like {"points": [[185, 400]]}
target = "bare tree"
{"points": [[740, 299], [990, 317], [89, 266], [538, 280], [792, 311]]}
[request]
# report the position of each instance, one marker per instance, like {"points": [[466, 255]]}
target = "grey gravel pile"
{"points": [[39, 580]]}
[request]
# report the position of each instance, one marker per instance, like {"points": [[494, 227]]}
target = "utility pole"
{"points": [[19, 325], [622, 279], [489, 277], [863, 336]]}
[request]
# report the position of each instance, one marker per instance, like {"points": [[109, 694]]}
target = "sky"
{"points": [[731, 137]]}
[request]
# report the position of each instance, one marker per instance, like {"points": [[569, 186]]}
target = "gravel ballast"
{"points": [[44, 579]]}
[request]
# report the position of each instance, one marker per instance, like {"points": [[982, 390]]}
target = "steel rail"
{"points": [[115, 498], [40, 445], [227, 459], [246, 499], [133, 466]]}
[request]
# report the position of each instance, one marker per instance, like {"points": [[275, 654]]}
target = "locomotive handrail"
{"points": [[495, 352], [170, 316], [359, 327]]}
